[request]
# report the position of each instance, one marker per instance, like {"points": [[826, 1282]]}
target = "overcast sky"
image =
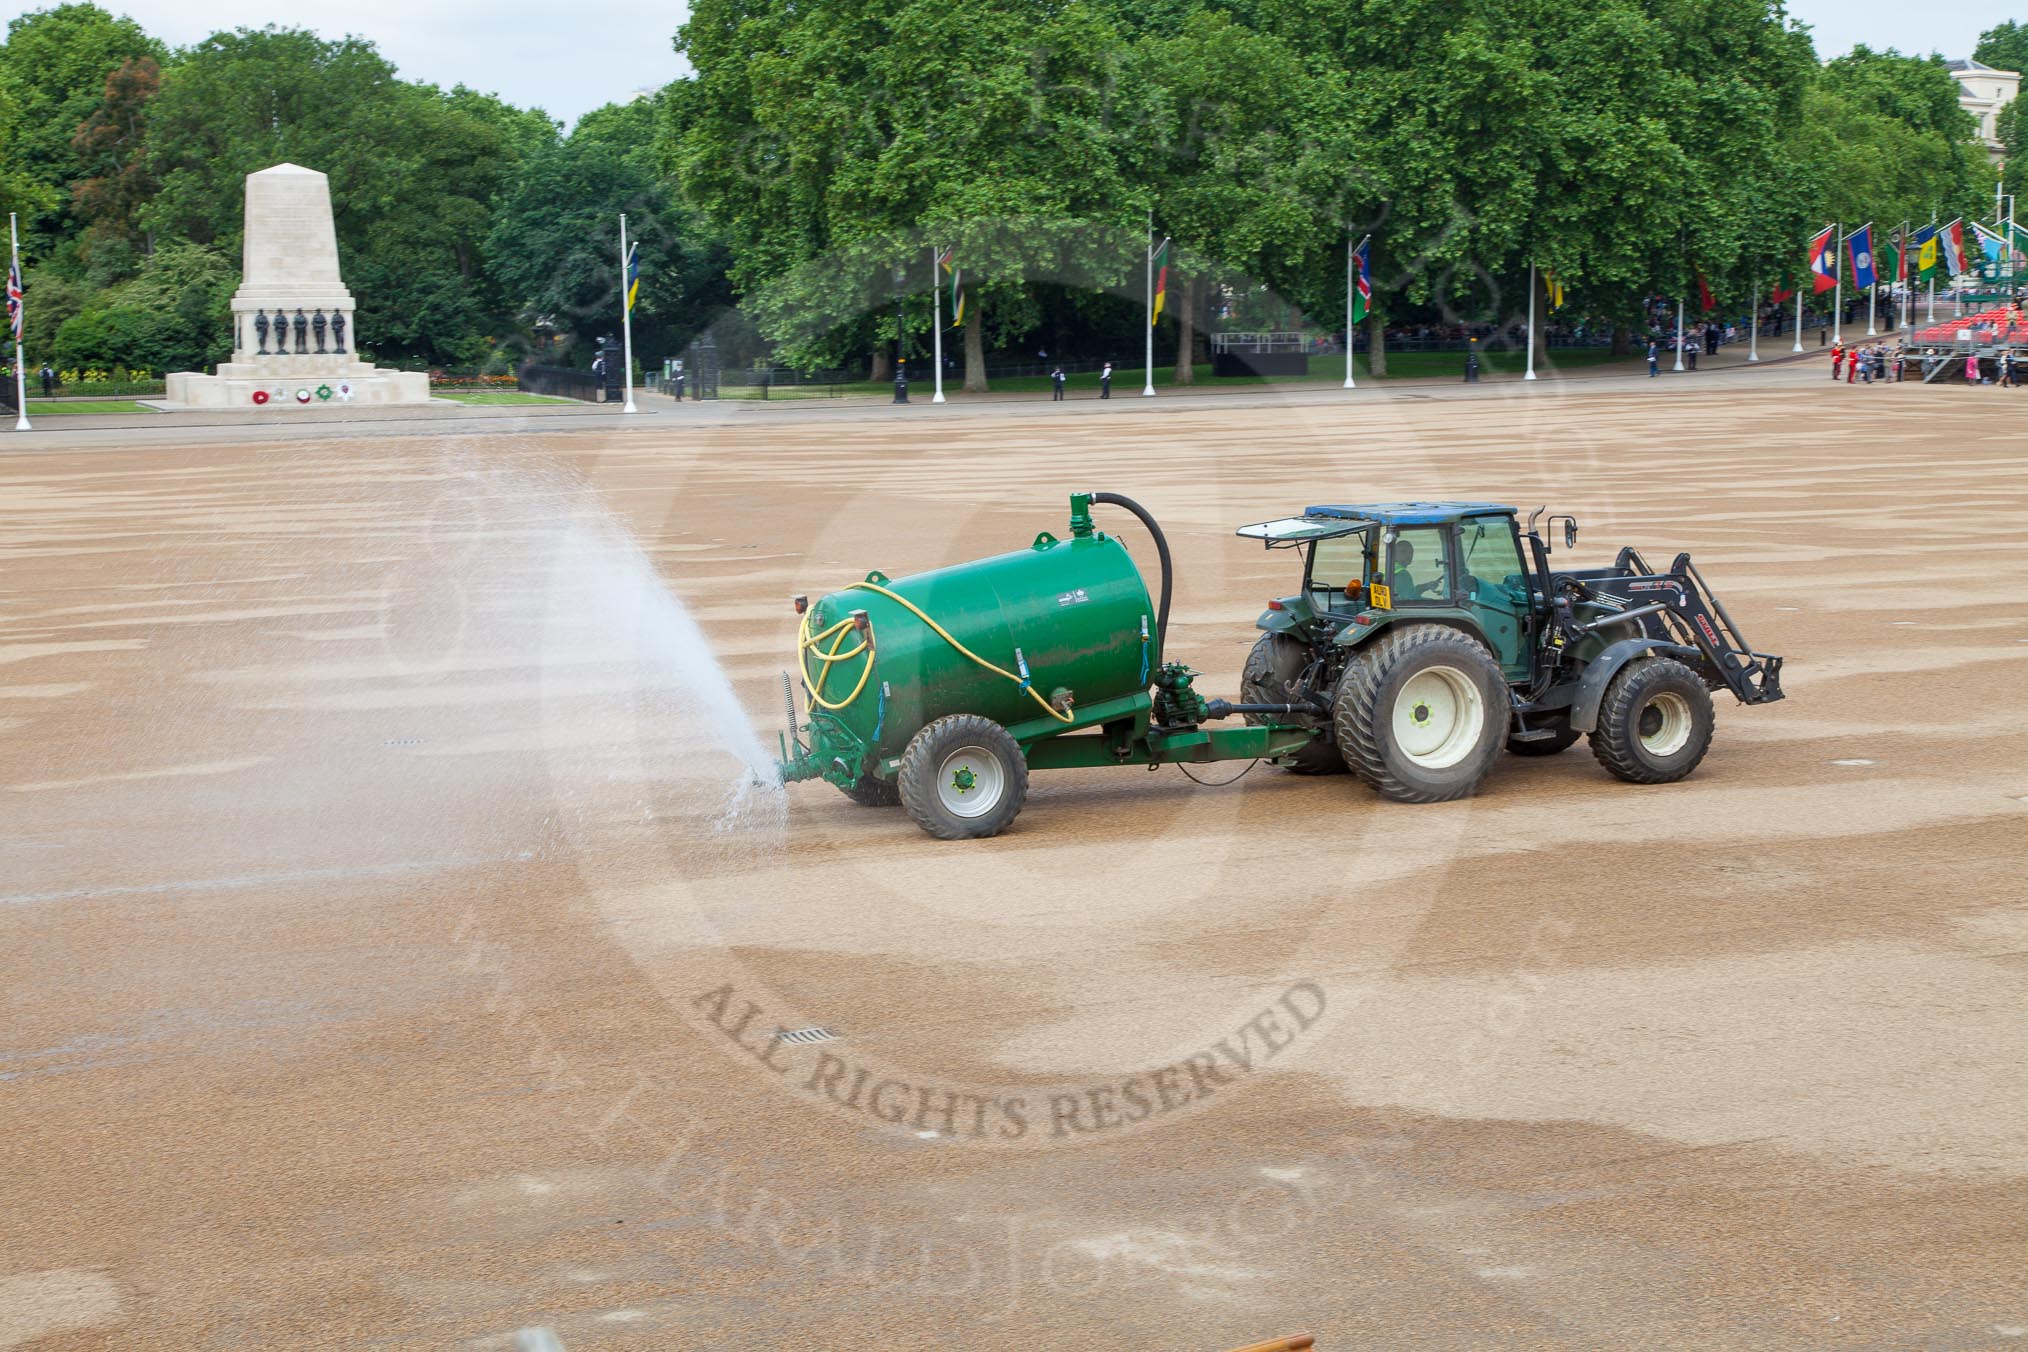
{"points": [[547, 55]]}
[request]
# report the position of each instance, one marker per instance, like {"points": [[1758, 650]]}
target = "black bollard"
{"points": [[1472, 363]]}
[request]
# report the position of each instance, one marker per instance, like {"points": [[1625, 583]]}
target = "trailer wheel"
{"points": [[870, 790], [963, 778], [1566, 737], [1270, 676], [1421, 713], [1655, 722]]}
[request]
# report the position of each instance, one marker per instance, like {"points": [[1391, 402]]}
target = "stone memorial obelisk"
{"points": [[294, 340]]}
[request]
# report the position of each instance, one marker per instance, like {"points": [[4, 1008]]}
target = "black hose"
{"points": [[1162, 553]]}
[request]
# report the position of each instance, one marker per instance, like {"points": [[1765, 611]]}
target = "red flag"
{"points": [[1781, 293], [1822, 259], [1704, 296]]}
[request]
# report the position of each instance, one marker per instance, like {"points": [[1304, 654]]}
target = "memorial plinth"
{"points": [[294, 341]]}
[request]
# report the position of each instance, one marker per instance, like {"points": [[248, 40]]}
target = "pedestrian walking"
{"points": [[1653, 365], [1971, 370], [1056, 379], [48, 381], [1106, 382], [1837, 361], [1690, 346], [2007, 369]]}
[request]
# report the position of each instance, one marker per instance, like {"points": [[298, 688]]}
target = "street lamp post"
{"points": [[900, 317]]}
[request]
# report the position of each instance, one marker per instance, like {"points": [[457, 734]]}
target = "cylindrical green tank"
{"points": [[1071, 616]]}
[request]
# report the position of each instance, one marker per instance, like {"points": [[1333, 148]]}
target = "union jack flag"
{"points": [[14, 295]]}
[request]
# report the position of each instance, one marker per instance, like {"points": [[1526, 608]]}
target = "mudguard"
{"points": [[1599, 673]]}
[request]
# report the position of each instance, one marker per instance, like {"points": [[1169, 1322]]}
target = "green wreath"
{"points": [[323, 391]]}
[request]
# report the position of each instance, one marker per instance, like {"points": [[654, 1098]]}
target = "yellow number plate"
{"points": [[1383, 596]]}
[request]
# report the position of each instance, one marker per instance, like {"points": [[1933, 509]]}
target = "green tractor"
{"points": [[1427, 635]]}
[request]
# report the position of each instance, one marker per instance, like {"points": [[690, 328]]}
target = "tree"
{"points": [[832, 143], [2004, 47], [53, 67], [1244, 149], [1886, 138], [112, 149], [554, 238]]}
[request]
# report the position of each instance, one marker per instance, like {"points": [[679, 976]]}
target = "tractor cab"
{"points": [[1372, 565]]}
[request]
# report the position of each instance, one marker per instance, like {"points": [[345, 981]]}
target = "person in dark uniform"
{"points": [[1056, 379], [48, 381], [1106, 382]]}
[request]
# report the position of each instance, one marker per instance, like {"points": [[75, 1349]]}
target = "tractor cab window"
{"points": [[1418, 567], [1338, 571], [1492, 556]]}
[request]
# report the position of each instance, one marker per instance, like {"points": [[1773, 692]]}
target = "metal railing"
{"points": [[562, 381]]}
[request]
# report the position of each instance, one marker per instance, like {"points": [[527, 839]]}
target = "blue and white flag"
{"points": [[1989, 241], [1862, 256]]}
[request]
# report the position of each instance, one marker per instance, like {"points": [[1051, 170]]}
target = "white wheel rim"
{"points": [[1438, 717], [970, 782], [1665, 724]]}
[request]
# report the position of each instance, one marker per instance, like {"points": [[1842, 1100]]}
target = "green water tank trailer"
{"points": [[941, 689]]}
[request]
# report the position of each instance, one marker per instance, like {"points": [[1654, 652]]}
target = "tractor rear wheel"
{"points": [[1421, 713], [963, 778], [1272, 669], [1655, 722], [870, 790], [1563, 739]]}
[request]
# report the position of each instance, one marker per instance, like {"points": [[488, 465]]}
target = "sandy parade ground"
{"points": [[392, 946]]}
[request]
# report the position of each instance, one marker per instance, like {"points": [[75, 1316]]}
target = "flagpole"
{"points": [[1907, 314], [1838, 287], [1679, 335], [1148, 359], [1932, 272], [626, 319], [1753, 339], [937, 325], [1348, 309], [21, 315], [1529, 374]]}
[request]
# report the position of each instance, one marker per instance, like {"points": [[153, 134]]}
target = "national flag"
{"points": [[1861, 243], [1928, 247], [15, 297], [947, 259], [1704, 296], [633, 274], [2020, 233], [1554, 288], [1781, 293], [1160, 261], [1990, 242], [1362, 280], [1897, 259], [1953, 237], [1823, 259]]}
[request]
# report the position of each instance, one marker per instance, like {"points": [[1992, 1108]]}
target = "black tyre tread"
{"points": [[1356, 707], [870, 790], [916, 781], [1565, 738], [1610, 743], [1260, 682]]}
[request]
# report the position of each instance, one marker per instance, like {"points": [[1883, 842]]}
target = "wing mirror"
{"points": [[1569, 529]]}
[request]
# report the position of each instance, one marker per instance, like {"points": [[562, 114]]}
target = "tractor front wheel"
{"points": [[1272, 669], [963, 778], [1421, 713], [1655, 722]]}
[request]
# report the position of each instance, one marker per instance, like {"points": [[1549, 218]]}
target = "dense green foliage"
{"points": [[127, 162], [1631, 146]]}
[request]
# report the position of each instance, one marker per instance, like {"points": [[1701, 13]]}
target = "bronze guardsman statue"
{"points": [[302, 333], [261, 328], [338, 330], [317, 327]]}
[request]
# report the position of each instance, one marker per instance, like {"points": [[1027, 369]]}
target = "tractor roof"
{"points": [[1408, 513]]}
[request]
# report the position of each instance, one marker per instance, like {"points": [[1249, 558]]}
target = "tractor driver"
{"points": [[1399, 579]]}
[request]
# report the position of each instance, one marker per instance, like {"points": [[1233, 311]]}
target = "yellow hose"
{"points": [[814, 690], [945, 635]]}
